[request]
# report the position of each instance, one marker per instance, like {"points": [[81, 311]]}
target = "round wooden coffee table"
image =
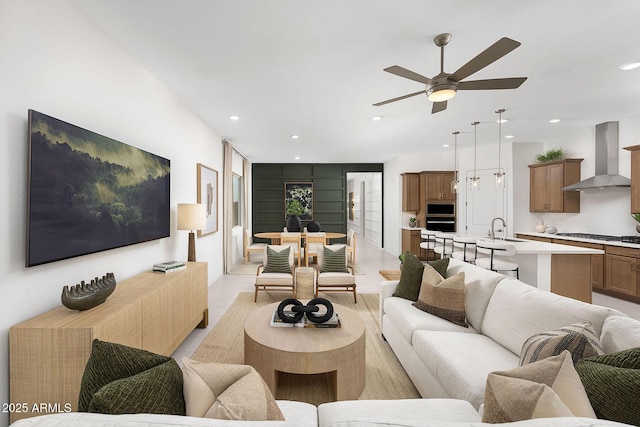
{"points": [[340, 352]]}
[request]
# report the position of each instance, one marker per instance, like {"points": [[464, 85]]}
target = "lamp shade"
{"points": [[192, 216]]}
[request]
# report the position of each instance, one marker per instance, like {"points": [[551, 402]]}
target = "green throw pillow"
{"points": [[411, 277], [278, 262], [124, 380], [440, 265], [334, 261], [612, 382]]}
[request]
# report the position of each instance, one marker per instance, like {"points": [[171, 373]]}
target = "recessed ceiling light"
{"points": [[376, 118], [502, 121], [296, 158], [555, 120], [295, 136], [446, 145], [630, 66], [509, 136], [234, 117]]}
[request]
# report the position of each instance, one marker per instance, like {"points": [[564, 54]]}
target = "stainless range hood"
{"points": [[606, 162]]}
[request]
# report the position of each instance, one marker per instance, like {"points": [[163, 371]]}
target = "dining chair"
{"points": [[295, 241], [277, 271], [498, 256], [351, 246], [464, 248], [250, 246], [313, 243], [333, 274]]}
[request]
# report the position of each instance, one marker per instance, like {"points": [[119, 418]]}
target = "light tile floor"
{"points": [[370, 260]]}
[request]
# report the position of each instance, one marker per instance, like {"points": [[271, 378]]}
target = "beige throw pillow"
{"points": [[547, 388], [443, 297], [227, 392]]}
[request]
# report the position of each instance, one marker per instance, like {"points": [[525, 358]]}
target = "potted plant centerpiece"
{"points": [[294, 210]]}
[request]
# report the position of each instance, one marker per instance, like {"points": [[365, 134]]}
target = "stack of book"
{"points": [[169, 267], [276, 322]]}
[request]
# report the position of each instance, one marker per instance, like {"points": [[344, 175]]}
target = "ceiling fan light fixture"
{"points": [[441, 93]]}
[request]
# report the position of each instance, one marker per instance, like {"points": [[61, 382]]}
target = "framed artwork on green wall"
{"points": [[298, 200]]}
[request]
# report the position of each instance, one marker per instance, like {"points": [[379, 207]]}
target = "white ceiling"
{"points": [[314, 68]]}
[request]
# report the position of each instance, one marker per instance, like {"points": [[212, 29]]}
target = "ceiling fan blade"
{"points": [[407, 74], [508, 83], [438, 106], [484, 58], [398, 98]]}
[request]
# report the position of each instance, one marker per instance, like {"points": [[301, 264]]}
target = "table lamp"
{"points": [[192, 216]]}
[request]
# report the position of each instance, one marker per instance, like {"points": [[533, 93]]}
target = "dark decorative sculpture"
{"points": [[299, 310], [85, 296], [313, 227]]}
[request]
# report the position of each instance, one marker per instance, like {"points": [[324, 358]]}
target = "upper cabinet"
{"points": [[410, 192], [635, 178], [546, 183], [437, 185]]}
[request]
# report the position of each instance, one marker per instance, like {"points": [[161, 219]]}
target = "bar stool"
{"points": [[444, 245], [497, 259], [428, 241], [464, 248]]}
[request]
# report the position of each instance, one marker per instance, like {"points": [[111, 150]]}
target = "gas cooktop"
{"points": [[626, 239], [592, 236]]}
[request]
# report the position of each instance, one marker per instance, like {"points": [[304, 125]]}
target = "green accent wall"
{"points": [[329, 192]]}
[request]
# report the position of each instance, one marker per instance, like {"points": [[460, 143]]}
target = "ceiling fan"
{"points": [[443, 86]]}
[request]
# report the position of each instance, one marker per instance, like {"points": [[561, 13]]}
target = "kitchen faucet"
{"points": [[493, 230]]}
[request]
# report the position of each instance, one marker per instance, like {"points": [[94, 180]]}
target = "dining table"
{"points": [[274, 236]]}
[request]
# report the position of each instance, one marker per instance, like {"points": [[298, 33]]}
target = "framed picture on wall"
{"points": [[208, 194], [298, 200]]}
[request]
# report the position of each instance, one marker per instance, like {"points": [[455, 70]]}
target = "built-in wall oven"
{"points": [[441, 216]]}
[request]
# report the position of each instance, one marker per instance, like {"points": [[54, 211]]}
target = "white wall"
{"points": [[55, 61]]}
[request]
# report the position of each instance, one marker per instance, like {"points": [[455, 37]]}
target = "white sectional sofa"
{"points": [[445, 360], [355, 413]]}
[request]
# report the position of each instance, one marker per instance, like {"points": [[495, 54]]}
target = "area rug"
{"points": [[385, 377]]}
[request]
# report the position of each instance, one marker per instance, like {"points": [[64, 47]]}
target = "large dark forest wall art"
{"points": [[89, 193]]}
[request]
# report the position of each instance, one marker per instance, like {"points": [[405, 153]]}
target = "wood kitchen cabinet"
{"points": [[411, 242], [546, 183], [437, 185], [622, 267], [635, 178], [410, 192]]}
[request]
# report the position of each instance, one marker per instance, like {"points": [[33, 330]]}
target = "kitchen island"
{"points": [[561, 269]]}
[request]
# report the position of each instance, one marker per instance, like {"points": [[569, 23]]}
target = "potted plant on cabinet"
{"points": [[636, 216], [412, 222]]}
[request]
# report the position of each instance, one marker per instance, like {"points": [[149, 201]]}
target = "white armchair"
{"points": [[333, 274], [277, 271]]}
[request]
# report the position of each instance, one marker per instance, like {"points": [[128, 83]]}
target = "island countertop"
{"points": [[580, 239]]}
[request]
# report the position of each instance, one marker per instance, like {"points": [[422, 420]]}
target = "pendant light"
{"points": [[500, 176], [474, 181], [454, 183]]}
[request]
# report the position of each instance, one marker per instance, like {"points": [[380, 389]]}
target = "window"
{"points": [[237, 200]]}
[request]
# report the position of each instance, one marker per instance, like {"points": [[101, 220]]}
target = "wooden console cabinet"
{"points": [[152, 311]]}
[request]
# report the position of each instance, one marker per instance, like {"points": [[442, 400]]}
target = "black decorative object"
{"points": [[84, 296], [300, 310], [313, 227], [294, 224]]}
